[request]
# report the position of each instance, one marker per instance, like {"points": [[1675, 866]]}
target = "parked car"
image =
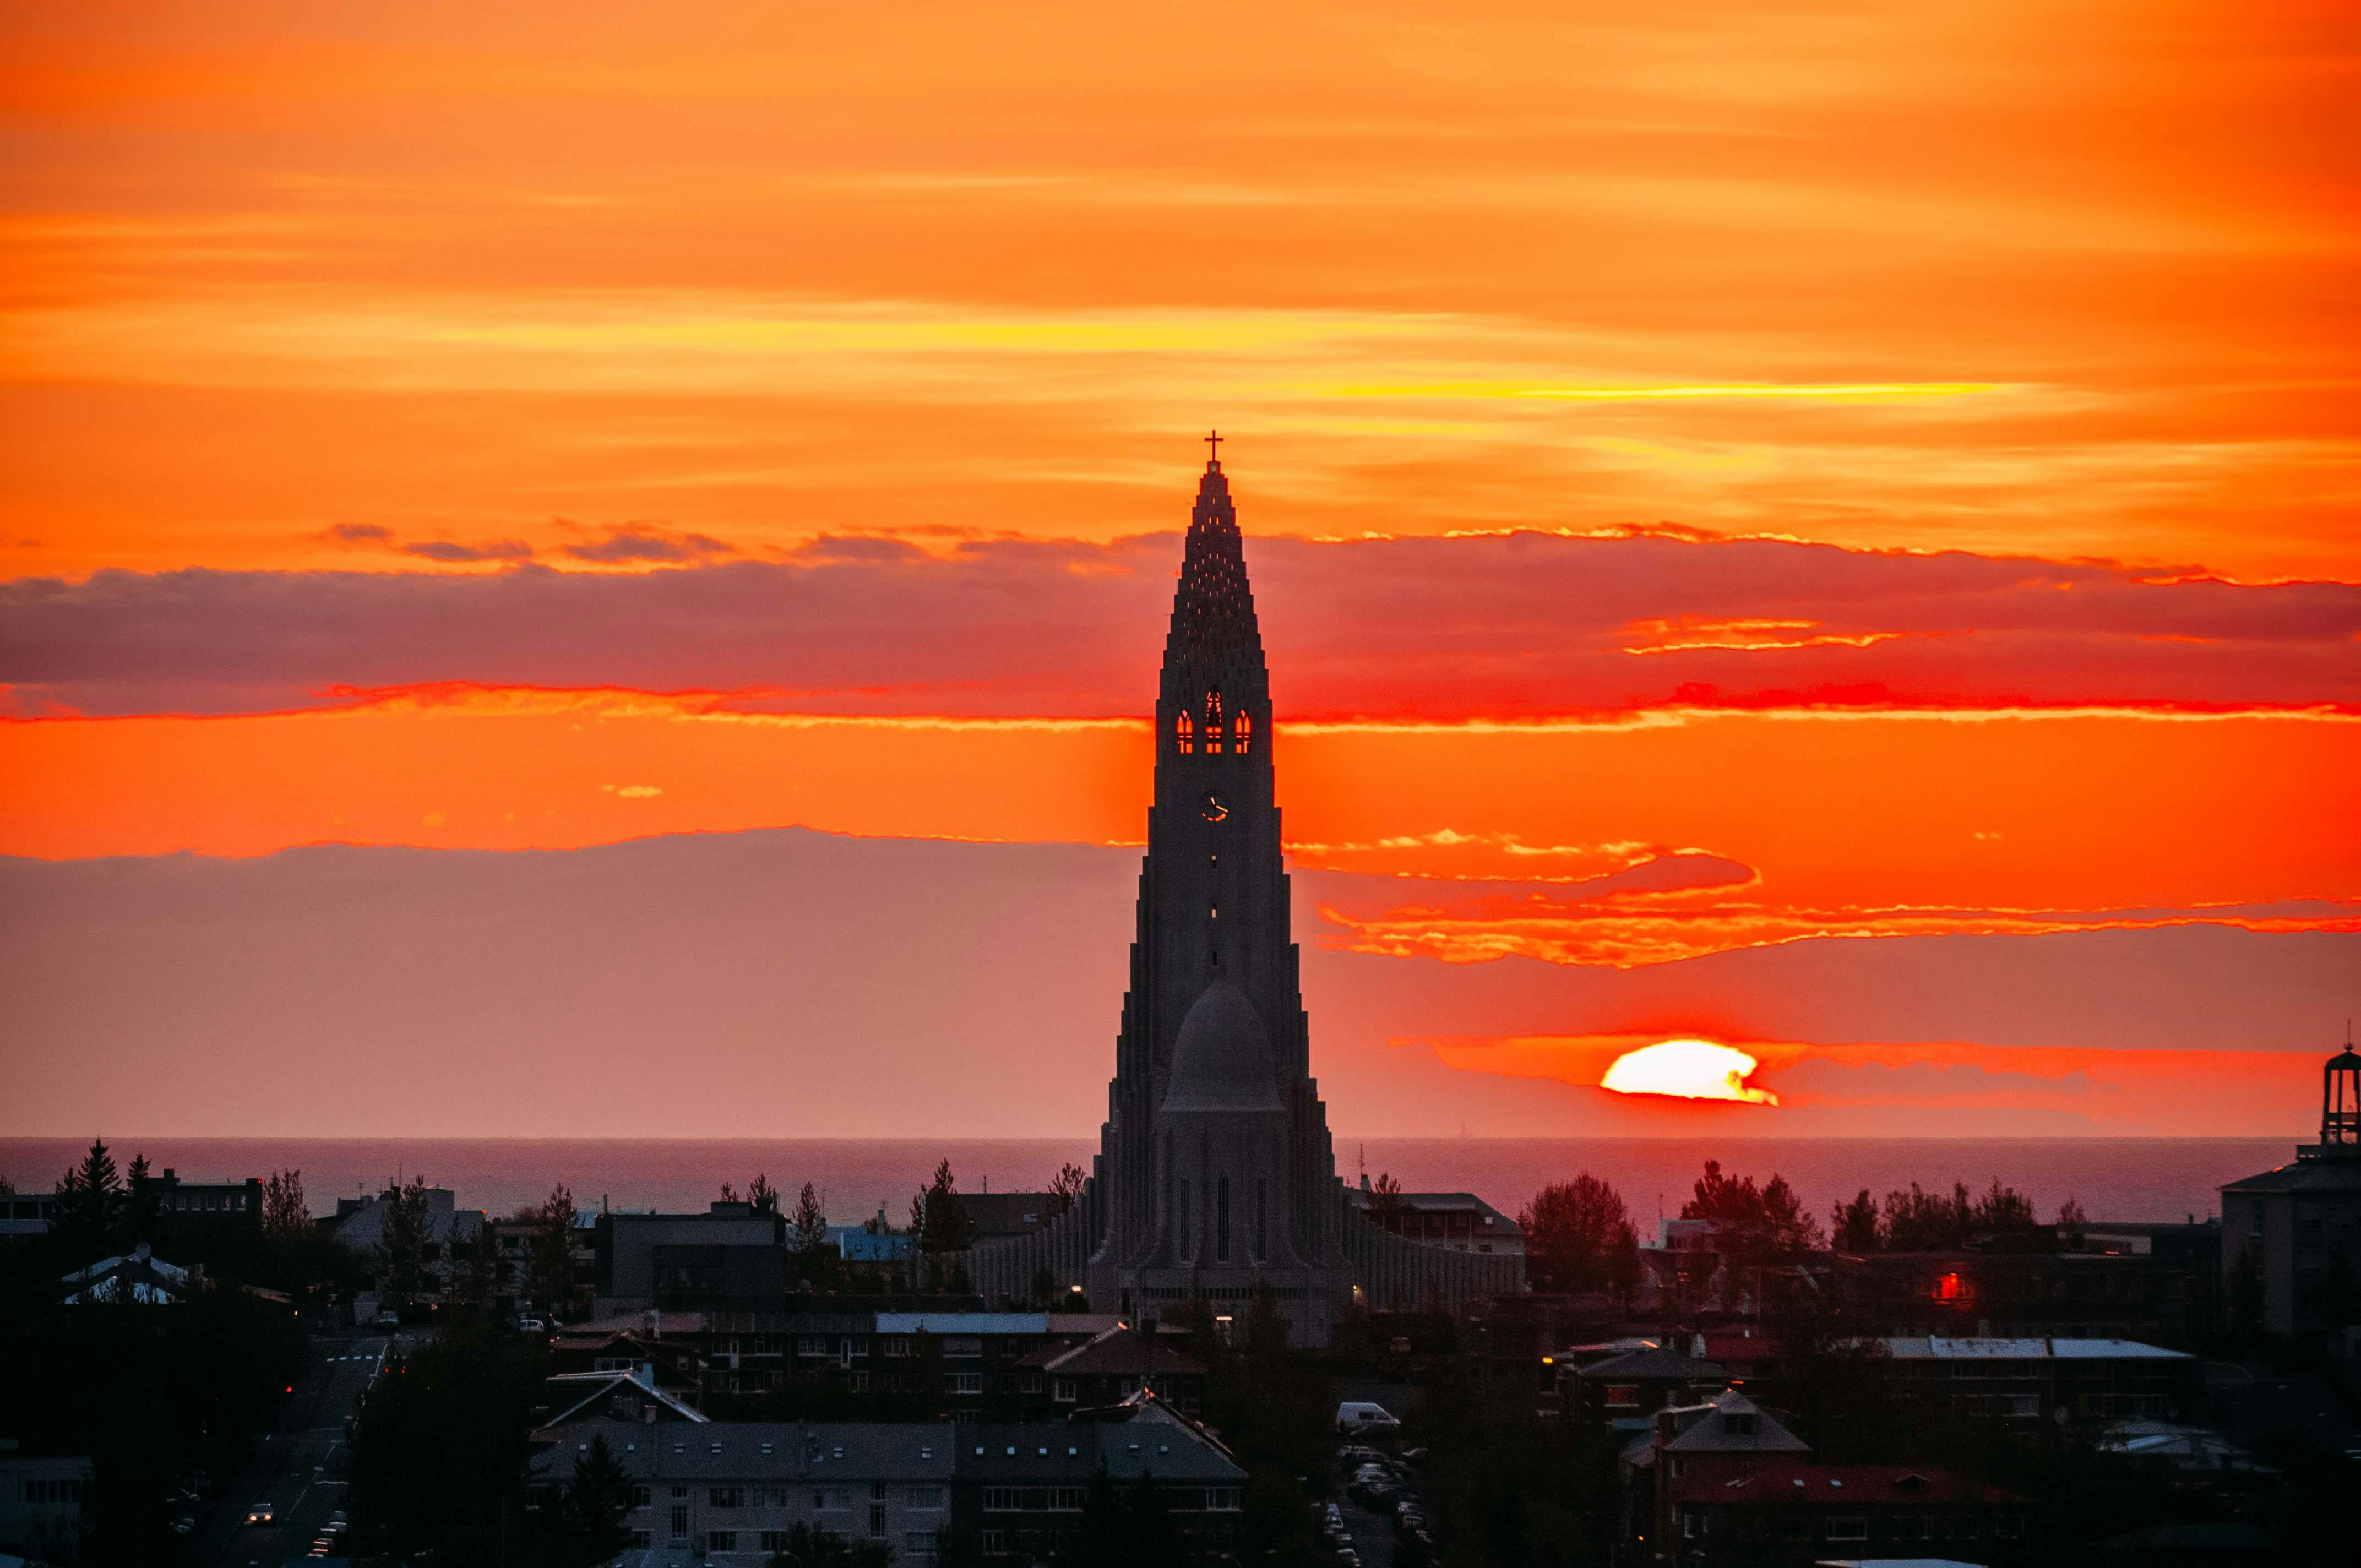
{"points": [[1360, 1417], [389, 1319]]}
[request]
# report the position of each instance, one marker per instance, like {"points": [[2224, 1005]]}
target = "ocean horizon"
{"points": [[2116, 1178]]}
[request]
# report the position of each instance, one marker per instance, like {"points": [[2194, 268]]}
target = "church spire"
{"points": [[1214, 643]]}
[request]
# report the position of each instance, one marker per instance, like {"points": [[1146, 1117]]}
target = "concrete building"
{"points": [[1216, 1175], [2291, 1236], [726, 1493], [731, 1257], [26, 1216], [2094, 1380], [40, 1503]]}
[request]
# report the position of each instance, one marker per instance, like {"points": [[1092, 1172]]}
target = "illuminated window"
{"points": [[1214, 723], [1245, 734], [1184, 734]]}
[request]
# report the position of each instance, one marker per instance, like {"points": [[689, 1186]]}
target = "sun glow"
{"points": [[1691, 1069]]}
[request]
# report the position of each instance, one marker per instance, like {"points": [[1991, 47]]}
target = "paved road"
{"points": [[295, 1466]]}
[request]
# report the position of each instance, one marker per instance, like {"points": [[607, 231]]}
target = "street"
{"points": [[295, 1467]]}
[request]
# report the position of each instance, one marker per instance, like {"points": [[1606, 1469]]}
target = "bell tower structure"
{"points": [[1216, 1173]]}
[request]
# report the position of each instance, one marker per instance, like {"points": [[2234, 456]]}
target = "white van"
{"points": [[1358, 1418]]}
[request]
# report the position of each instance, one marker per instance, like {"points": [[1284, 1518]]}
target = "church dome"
{"points": [[1221, 1059]]}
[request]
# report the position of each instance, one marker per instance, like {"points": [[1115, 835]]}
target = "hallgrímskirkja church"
{"points": [[1215, 1175]]}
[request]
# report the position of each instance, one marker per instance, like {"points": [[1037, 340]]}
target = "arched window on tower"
{"points": [[1222, 1220], [1184, 734], [1245, 734], [1213, 724]]}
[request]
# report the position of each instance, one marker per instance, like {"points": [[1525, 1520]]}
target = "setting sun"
{"points": [[1692, 1070]]}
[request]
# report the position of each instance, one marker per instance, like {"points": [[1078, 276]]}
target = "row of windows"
{"points": [[896, 1345], [824, 1499], [1070, 1499], [1214, 736], [53, 1491]]}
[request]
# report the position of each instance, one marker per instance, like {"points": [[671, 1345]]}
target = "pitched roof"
{"points": [[1658, 1362], [1776, 1481], [1715, 1427], [572, 1392], [2333, 1173], [1119, 1350]]}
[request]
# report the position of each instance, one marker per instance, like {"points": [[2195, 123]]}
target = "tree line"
{"points": [[1579, 1237]]}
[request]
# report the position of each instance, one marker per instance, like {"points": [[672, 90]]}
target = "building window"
{"points": [[895, 1345], [967, 1382], [1245, 734], [919, 1544], [963, 1348], [1184, 734], [679, 1522], [877, 1518], [772, 1540], [643, 1541], [722, 1540], [1849, 1526], [1213, 724], [925, 1496], [1222, 1220], [1061, 1389], [1622, 1396], [641, 1496], [729, 1497]]}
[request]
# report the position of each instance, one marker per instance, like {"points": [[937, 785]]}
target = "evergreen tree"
{"points": [[143, 1202], [1852, 1226], [807, 1226], [597, 1498], [90, 1200]]}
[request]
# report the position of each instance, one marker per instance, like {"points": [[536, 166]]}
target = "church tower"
{"points": [[1216, 1171]]}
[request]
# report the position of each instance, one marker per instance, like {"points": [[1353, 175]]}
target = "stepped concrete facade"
{"points": [[1215, 1174]]}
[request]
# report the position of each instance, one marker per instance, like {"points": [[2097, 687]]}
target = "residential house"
{"points": [[138, 1276], [1456, 1221], [26, 1216], [1634, 1386], [1783, 1511], [1108, 1368], [645, 1392]]}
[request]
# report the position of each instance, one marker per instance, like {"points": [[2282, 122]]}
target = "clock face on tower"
{"points": [[1213, 809]]}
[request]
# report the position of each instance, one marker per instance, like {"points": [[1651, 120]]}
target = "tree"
{"points": [[1066, 1188], [552, 1250], [597, 1498], [402, 1236], [2070, 1212], [1919, 1220], [2002, 1209], [1852, 1227], [807, 1226], [285, 1216], [762, 1195], [1752, 1225], [1578, 1237], [143, 1201], [90, 1200], [1385, 1194], [940, 1221]]}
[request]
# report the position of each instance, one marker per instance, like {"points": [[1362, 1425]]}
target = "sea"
{"points": [[2113, 1179]]}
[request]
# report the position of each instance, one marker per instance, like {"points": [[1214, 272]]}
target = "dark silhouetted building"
{"points": [[2291, 1236]]}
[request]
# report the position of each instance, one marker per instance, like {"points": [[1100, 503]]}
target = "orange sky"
{"points": [[344, 346]]}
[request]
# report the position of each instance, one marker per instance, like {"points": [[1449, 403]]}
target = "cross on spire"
{"points": [[1215, 442]]}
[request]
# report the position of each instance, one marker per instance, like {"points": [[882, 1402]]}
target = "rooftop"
{"points": [[1788, 1480], [1937, 1348]]}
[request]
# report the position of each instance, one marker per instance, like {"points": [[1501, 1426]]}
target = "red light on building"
{"points": [[1950, 1287]]}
